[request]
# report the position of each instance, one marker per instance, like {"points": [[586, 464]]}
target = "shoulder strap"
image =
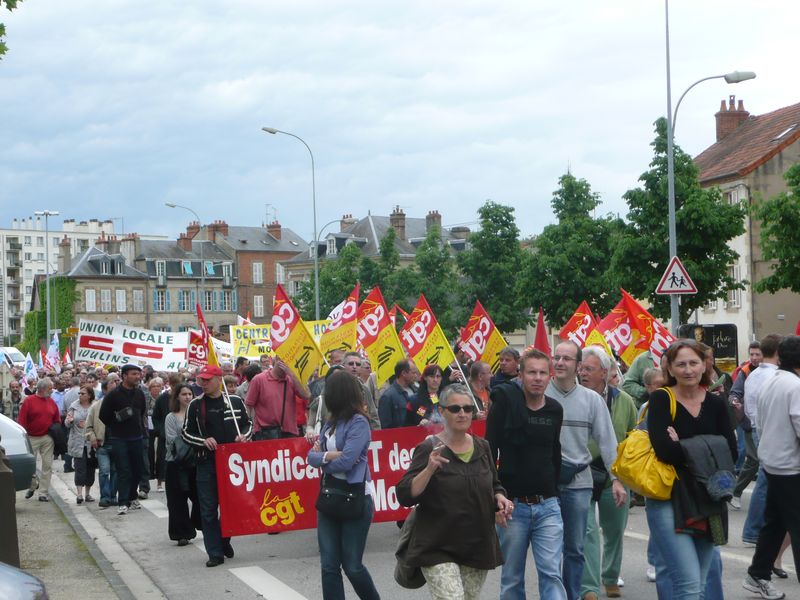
{"points": [[673, 403], [283, 410]]}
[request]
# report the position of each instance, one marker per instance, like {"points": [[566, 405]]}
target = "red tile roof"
{"points": [[752, 144]]}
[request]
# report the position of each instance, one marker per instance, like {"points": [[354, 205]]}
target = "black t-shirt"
{"points": [[122, 399], [215, 418], [526, 441]]}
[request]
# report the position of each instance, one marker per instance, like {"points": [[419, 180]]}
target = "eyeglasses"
{"points": [[558, 358], [353, 364], [457, 408]]}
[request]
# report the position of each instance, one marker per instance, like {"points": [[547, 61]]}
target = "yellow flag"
{"points": [[378, 337], [291, 341]]}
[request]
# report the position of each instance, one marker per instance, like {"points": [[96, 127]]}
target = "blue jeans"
{"points": [[108, 476], [127, 455], [208, 500], [683, 560], [740, 448], [713, 589], [541, 527], [341, 547], [574, 513], [755, 512]]}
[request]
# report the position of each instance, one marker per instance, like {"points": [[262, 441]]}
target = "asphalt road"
{"points": [[286, 566]]}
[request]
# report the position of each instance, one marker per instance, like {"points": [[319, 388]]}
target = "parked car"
{"points": [[15, 583], [13, 357], [19, 453]]}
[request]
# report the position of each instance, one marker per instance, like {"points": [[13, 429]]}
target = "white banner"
{"points": [[116, 344]]}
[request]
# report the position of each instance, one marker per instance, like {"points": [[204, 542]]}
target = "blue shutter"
{"points": [[216, 301], [194, 302], [166, 300], [155, 300], [234, 300], [181, 306]]}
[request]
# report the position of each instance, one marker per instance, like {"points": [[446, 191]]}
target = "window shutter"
{"points": [[194, 302], [234, 301], [155, 301], [166, 300]]}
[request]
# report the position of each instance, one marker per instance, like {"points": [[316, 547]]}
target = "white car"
{"points": [[19, 454], [13, 357]]}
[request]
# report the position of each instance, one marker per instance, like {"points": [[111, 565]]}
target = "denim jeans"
{"points": [[574, 513], [740, 448], [209, 504], [713, 587], [108, 476], [683, 560], [341, 547], [127, 455], [755, 512], [541, 527]]}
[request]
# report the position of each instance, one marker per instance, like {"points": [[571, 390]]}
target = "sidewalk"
{"points": [[51, 550]]}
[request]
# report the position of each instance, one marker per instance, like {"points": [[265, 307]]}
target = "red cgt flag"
{"points": [[541, 342], [580, 325]]}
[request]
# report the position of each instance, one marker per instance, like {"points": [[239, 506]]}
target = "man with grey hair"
{"points": [[508, 368], [37, 414], [594, 373]]}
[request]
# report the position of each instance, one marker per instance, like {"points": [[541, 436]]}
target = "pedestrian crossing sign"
{"points": [[676, 280]]}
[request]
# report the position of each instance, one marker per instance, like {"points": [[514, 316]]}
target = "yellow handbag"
{"points": [[637, 466]]}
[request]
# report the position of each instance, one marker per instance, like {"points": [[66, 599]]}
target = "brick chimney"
{"points": [[730, 117], [398, 222], [433, 218], [192, 229], [113, 245], [274, 229], [101, 243], [217, 227], [185, 242], [64, 256], [346, 221], [128, 247]]}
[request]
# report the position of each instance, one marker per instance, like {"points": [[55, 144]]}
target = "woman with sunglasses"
{"points": [[421, 409], [453, 482]]}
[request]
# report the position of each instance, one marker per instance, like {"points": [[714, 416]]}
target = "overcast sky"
{"points": [[109, 109]]}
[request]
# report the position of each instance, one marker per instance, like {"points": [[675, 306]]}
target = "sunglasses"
{"points": [[457, 408]]}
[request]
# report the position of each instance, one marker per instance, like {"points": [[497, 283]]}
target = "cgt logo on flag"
{"points": [[285, 510]]}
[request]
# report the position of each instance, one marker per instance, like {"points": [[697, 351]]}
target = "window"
{"points": [[28, 290], [227, 270], [185, 300], [28, 256], [161, 300], [258, 306], [226, 301], [40, 241], [40, 256], [258, 272], [161, 267], [105, 300], [209, 301], [91, 301], [331, 249], [121, 301], [711, 305], [55, 241], [210, 268], [138, 301], [280, 273], [186, 267], [28, 273], [734, 296], [104, 267], [27, 240], [732, 196]]}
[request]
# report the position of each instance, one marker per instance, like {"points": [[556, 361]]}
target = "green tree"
{"points": [[379, 272], [705, 223], [10, 5], [492, 264], [570, 260], [337, 277], [780, 236]]}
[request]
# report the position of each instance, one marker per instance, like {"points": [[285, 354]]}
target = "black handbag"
{"points": [[341, 500], [182, 453], [569, 471]]}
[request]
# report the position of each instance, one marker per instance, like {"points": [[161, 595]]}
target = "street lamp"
{"points": [[734, 77], [47, 214], [202, 262], [273, 131]]}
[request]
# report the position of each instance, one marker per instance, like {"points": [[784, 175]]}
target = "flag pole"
{"points": [[227, 398]]}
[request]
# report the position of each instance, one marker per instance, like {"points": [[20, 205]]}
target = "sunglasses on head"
{"points": [[457, 408]]}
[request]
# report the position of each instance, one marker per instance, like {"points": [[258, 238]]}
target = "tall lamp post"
{"points": [[734, 77], [202, 262], [273, 131], [47, 214]]}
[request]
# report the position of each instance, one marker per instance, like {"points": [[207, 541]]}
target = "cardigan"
{"points": [[352, 439]]}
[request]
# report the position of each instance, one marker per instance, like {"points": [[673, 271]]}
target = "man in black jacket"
{"points": [[211, 421], [123, 412]]}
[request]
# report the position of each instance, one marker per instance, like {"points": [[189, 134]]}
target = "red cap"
{"points": [[209, 371]]}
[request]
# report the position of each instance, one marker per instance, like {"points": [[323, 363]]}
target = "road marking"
{"points": [[156, 507], [138, 582], [265, 584]]}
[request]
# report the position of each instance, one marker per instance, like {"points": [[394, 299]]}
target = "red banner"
{"points": [[579, 326], [268, 486]]}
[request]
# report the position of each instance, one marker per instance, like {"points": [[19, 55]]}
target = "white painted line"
{"points": [[139, 583], [265, 584], [156, 507]]}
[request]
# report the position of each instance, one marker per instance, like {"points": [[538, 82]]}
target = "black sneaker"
{"points": [[69, 470], [44, 499], [214, 561], [183, 542], [228, 551], [29, 494]]}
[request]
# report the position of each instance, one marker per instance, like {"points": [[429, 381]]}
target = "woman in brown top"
{"points": [[453, 482]]}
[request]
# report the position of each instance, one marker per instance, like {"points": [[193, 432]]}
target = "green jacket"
{"points": [[634, 378], [623, 417]]}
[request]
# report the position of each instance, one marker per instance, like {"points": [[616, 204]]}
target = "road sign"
{"points": [[676, 280], [72, 330]]}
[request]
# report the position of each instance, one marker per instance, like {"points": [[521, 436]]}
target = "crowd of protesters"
{"points": [[541, 478]]}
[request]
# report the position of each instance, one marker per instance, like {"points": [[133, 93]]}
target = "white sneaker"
{"points": [[762, 587], [135, 505], [651, 573], [123, 510], [735, 503], [620, 582]]}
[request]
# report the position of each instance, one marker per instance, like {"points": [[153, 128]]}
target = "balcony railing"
{"points": [[14, 246]]}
